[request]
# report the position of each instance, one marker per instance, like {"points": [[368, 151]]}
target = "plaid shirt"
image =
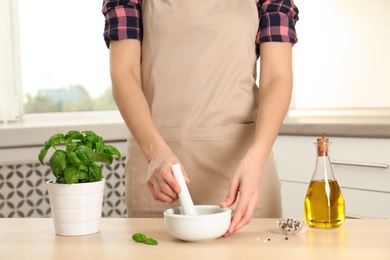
{"points": [[277, 20]]}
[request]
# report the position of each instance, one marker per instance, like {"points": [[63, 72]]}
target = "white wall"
{"points": [[342, 56]]}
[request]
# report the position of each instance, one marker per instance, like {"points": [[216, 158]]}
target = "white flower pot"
{"points": [[76, 209]]}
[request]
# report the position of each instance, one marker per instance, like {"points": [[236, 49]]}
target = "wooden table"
{"points": [[35, 239]]}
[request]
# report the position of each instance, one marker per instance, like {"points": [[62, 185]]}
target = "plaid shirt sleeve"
{"points": [[122, 20], [277, 20]]}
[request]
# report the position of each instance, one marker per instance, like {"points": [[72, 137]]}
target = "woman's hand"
{"points": [[161, 182], [246, 182]]}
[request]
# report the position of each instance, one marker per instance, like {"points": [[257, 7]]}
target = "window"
{"points": [[10, 75], [63, 63], [341, 58]]}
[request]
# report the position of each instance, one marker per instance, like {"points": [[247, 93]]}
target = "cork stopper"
{"points": [[322, 146]]}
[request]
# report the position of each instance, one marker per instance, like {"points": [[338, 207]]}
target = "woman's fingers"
{"points": [[232, 195], [244, 212], [163, 185], [160, 189]]}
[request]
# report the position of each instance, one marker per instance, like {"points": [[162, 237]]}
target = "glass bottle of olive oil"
{"points": [[324, 203]]}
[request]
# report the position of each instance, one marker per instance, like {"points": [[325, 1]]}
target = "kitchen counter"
{"points": [[374, 123], [31, 238]]}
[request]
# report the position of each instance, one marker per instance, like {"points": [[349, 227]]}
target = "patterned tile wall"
{"points": [[23, 192]]}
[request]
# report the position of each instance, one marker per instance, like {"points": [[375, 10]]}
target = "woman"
{"points": [[184, 79]]}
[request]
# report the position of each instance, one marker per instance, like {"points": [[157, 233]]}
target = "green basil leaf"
{"points": [[43, 152], [83, 168], [86, 155], [58, 161], [99, 147], [109, 149], [94, 172], [72, 147], [83, 176], [42, 155], [91, 136], [55, 139], [46, 145], [74, 135], [105, 158], [74, 159], [71, 174], [139, 237], [89, 144], [151, 241]]}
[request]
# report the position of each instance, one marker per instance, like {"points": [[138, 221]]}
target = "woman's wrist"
{"points": [[155, 148]]}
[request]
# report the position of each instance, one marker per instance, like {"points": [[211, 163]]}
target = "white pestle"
{"points": [[184, 196]]}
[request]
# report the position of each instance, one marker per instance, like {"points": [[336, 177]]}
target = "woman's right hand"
{"points": [[161, 182]]}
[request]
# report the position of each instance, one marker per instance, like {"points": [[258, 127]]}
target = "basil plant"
{"points": [[78, 161]]}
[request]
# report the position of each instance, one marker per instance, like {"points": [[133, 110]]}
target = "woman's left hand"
{"points": [[246, 182]]}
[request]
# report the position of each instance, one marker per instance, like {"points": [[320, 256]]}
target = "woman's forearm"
{"points": [[274, 96], [125, 59]]}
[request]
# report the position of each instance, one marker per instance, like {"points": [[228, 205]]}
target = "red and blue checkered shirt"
{"points": [[277, 20]]}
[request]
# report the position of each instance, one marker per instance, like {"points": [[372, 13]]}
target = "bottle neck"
{"points": [[323, 170]]}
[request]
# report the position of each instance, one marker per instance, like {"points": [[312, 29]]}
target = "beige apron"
{"points": [[199, 78]]}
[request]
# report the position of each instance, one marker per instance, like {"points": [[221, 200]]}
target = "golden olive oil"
{"points": [[324, 205]]}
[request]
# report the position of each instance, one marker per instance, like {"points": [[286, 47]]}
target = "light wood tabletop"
{"points": [[31, 238]]}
